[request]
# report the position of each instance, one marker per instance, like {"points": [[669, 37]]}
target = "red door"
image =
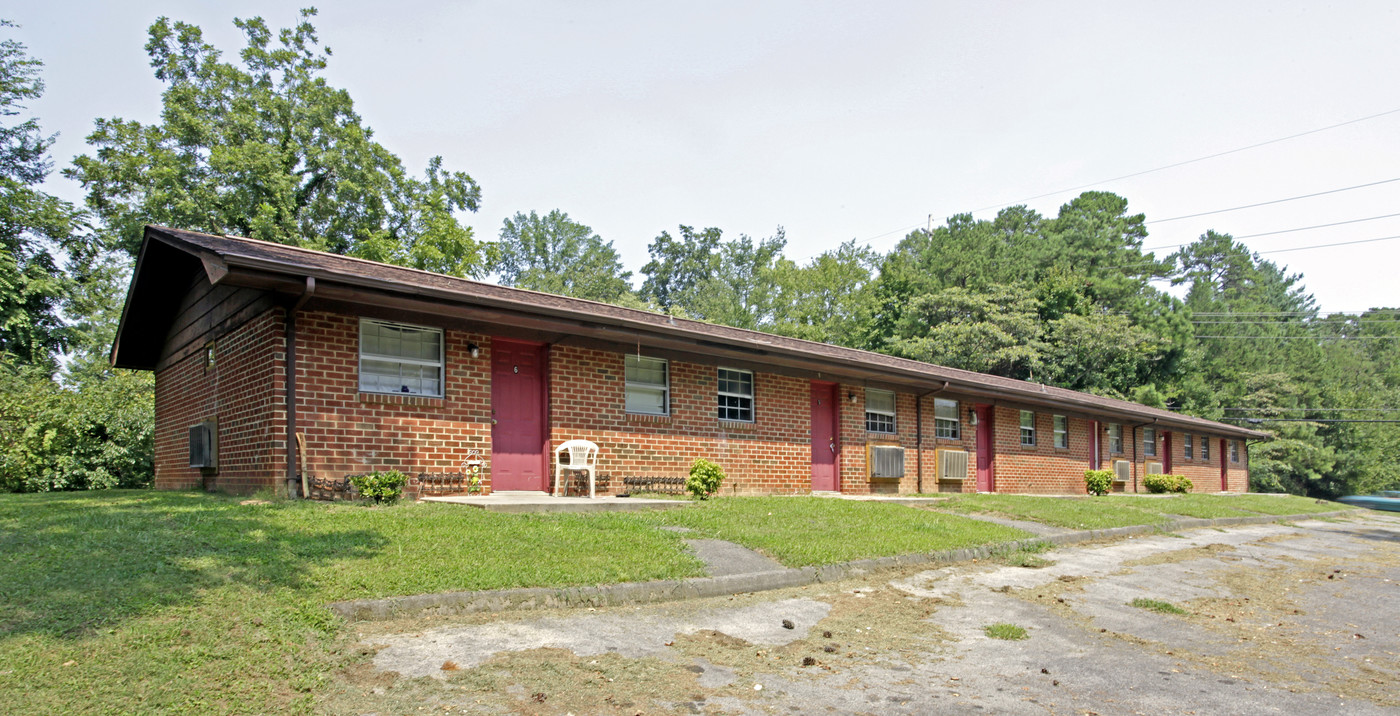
{"points": [[824, 444], [518, 454], [1224, 468], [1167, 452], [986, 450]]}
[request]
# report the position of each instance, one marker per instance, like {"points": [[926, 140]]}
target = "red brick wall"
{"points": [[237, 392], [772, 455], [347, 431], [1042, 468]]}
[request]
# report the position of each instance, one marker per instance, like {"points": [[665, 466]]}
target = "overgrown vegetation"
{"points": [[384, 486], [1124, 510], [1026, 555], [1098, 482], [704, 479], [1157, 605], [1005, 631], [1159, 484]]}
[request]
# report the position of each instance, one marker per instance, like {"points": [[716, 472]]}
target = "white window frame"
{"points": [[881, 417], [440, 363], [1149, 444], [947, 428], [1061, 436], [1205, 448], [721, 395], [664, 386], [1188, 447], [1115, 438], [1235, 452], [1027, 433]]}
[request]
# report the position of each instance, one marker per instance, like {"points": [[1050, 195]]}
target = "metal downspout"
{"points": [[291, 363]]}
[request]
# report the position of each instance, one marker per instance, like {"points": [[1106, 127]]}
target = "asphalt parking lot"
{"points": [[1296, 618]]}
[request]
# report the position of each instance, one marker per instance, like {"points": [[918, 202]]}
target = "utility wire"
{"points": [[1286, 231], [1156, 169], [1275, 201], [1262, 253], [1192, 161]]}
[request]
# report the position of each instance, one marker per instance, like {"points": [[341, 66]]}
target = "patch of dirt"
{"points": [[1180, 555]]}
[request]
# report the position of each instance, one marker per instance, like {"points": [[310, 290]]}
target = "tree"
{"points": [[556, 254], [679, 265], [830, 299], [993, 331], [266, 148], [34, 226], [740, 288]]}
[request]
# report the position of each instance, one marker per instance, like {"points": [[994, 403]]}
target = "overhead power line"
{"points": [[1275, 201], [1164, 167], [1259, 253], [1287, 231], [1192, 161]]}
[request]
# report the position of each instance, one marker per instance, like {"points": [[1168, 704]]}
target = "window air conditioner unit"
{"points": [[204, 445], [952, 465], [1121, 470], [886, 461], [1154, 468]]}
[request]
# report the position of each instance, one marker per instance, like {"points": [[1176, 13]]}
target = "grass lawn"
{"points": [[1070, 512], [802, 531], [1089, 513], [142, 601]]}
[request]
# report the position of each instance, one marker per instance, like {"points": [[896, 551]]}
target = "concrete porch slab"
{"points": [[540, 502]]}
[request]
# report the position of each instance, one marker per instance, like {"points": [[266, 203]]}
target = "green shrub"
{"points": [[1003, 630], [1157, 605], [1098, 482], [1159, 484], [704, 480], [380, 486]]}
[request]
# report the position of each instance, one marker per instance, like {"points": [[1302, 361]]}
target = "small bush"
{"points": [[380, 486], [704, 480], [1159, 484], [1009, 632], [1157, 605], [1098, 482]]}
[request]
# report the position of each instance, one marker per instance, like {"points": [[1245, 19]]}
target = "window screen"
{"points": [[1027, 427], [735, 395], [1061, 431], [396, 358], [1149, 441], [1115, 438], [879, 411], [648, 385], [946, 423]]}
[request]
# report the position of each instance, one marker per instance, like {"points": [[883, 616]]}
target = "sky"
{"points": [[840, 120]]}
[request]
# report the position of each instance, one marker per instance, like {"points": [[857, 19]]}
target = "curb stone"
{"points": [[671, 590]]}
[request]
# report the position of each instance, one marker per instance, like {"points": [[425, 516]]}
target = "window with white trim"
{"points": [[735, 395], [1205, 447], [1115, 438], [1027, 427], [946, 421], [879, 411], [395, 358], [1234, 451], [1061, 425], [648, 385], [1149, 442], [1188, 447]]}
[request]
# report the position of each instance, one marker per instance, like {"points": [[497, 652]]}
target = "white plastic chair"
{"points": [[581, 455]]}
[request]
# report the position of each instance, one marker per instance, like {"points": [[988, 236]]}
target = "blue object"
{"points": [[1388, 500]]}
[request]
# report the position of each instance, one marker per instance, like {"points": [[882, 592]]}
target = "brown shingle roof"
{"points": [[299, 262]]}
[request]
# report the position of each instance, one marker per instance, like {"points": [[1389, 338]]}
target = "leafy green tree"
{"points": [[555, 254], [678, 266], [994, 331], [740, 289], [266, 148], [828, 300], [34, 226]]}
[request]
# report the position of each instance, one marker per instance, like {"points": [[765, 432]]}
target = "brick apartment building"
{"points": [[375, 367]]}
